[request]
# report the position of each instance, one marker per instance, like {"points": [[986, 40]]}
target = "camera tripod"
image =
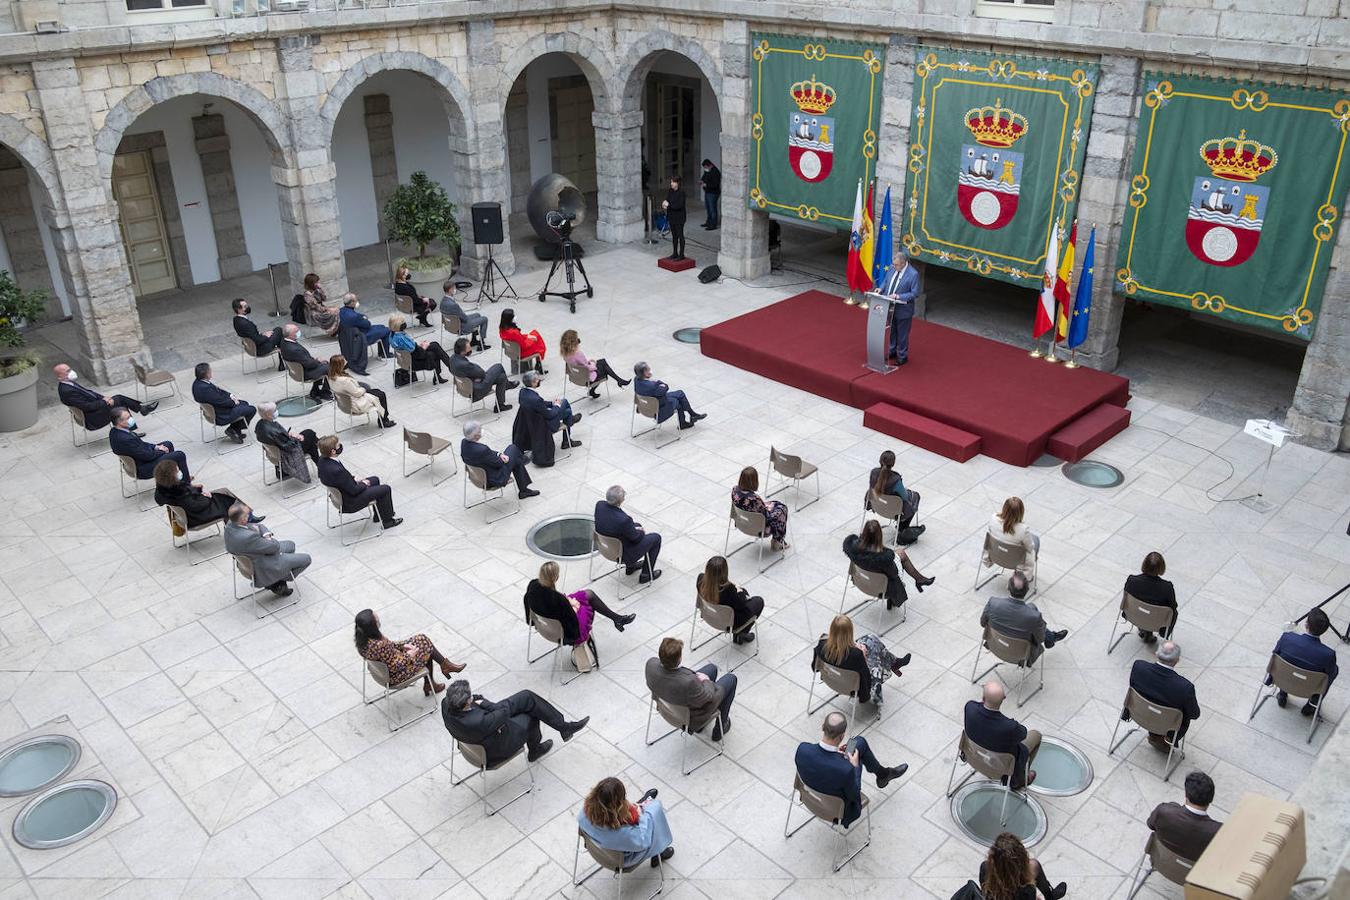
{"points": [[566, 255], [488, 288], [1345, 635]]}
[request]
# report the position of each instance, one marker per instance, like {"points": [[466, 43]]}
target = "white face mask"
{"points": [[73, 375]]}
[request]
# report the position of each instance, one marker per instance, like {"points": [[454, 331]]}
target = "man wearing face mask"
{"points": [[356, 495], [96, 407], [264, 341], [125, 441]]}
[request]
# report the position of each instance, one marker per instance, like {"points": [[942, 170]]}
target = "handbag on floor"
{"points": [[584, 656]]}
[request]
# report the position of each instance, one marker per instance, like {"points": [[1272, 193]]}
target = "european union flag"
{"points": [[881, 259], [1082, 301]]}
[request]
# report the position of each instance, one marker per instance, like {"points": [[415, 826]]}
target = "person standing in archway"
{"points": [[712, 194], [675, 217]]}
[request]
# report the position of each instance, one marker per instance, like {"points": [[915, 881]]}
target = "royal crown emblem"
{"points": [[1238, 158], [812, 97], [996, 126]]}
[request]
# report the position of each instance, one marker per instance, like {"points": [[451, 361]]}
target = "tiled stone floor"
{"points": [[248, 765]]}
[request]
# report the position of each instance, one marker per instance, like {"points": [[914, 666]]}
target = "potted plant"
{"points": [[418, 213], [18, 367]]}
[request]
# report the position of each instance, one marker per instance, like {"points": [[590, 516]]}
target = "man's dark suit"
{"points": [[830, 772], [484, 383], [1308, 652], [293, 351], [480, 455], [229, 413], [671, 401], [503, 727], [1181, 830], [992, 730], [97, 410], [612, 521], [355, 495], [246, 328], [1161, 684], [553, 413], [124, 443], [903, 287]]}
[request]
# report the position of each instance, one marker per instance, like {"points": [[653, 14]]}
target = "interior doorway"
{"points": [[144, 236], [672, 126], [570, 107]]}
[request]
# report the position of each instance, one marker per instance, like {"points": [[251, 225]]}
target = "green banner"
{"points": [[995, 158], [1234, 200], [813, 132]]}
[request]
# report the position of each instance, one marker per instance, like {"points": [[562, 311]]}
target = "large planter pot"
{"points": [[18, 401], [429, 282]]}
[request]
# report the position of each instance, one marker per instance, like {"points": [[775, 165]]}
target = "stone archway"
{"points": [[27, 226]]}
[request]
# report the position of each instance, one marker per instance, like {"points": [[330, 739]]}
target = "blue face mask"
{"points": [[131, 423]]}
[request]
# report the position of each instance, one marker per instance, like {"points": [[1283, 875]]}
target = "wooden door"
{"points": [[142, 223]]}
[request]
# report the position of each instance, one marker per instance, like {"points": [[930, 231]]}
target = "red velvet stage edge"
{"points": [[676, 265], [1014, 403]]}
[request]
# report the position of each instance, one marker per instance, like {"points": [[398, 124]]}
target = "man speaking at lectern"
{"points": [[902, 288]]}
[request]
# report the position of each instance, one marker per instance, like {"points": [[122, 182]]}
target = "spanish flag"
{"points": [[859, 273], [868, 247], [1062, 279]]}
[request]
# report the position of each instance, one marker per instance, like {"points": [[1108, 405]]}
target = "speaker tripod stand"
{"points": [[566, 255], [488, 288]]}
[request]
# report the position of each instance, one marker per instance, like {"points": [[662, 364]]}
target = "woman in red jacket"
{"points": [[530, 343]]}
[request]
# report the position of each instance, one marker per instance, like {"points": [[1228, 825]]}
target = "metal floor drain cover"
{"points": [[1061, 769], [36, 763], [976, 808], [688, 335], [563, 538], [1091, 473], [64, 814]]}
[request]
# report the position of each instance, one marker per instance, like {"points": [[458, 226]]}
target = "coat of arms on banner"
{"points": [[990, 177], [1227, 210], [810, 149]]}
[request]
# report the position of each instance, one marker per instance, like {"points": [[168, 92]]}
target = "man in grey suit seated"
{"points": [[274, 562], [1017, 618], [701, 691], [474, 324]]}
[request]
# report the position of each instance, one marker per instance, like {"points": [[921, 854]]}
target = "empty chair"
{"points": [[1145, 616], [512, 352], [649, 408], [611, 549], [794, 471], [873, 585], [378, 672], [478, 478], [830, 810], [1008, 649], [753, 525], [153, 378], [365, 516], [842, 682], [127, 472], [178, 522], [678, 718], [92, 446], [476, 756], [209, 418], [272, 463], [1002, 557], [551, 630], [580, 376], [249, 350], [1153, 718], [422, 443], [1160, 859], [722, 619], [994, 766], [244, 566], [611, 861], [1287, 677], [344, 403]]}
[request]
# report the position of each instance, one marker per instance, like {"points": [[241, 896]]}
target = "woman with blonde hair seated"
{"points": [[715, 588], [775, 513], [867, 656], [427, 356], [637, 830], [420, 305], [576, 611], [361, 397], [599, 369], [1006, 527]]}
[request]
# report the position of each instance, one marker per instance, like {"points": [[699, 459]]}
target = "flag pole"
{"points": [[1072, 362]]}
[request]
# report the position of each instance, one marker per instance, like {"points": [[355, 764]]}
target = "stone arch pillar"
{"points": [[618, 168], [745, 232]]}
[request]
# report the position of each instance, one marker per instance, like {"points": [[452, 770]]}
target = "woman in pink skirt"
{"points": [[576, 611]]}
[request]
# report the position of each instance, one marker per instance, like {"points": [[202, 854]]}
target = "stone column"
{"points": [[306, 175], [488, 174], [618, 167], [222, 199], [23, 233], [745, 232], [1320, 415], [1103, 201], [383, 162], [892, 165], [85, 231]]}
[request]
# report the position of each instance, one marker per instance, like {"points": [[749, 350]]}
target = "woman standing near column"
{"points": [[675, 215]]}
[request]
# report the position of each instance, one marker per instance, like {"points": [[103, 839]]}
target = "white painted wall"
{"points": [[251, 161]]}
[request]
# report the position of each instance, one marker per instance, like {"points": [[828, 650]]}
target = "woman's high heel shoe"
{"points": [[922, 583]]}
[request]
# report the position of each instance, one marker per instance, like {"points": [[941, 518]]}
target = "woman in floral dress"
{"points": [[403, 658]]}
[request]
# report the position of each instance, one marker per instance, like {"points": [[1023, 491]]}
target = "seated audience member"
{"points": [[202, 507], [264, 341], [637, 830], [1008, 872], [96, 407], [125, 442], [1150, 587], [885, 480], [474, 324], [576, 611], [832, 768], [499, 467], [274, 562], [867, 656], [1308, 652], [672, 402], [701, 691], [1160, 683], [403, 658], [868, 551], [229, 410], [427, 356], [360, 396], [350, 316], [1186, 829], [994, 731], [640, 549], [598, 369], [1007, 528], [1018, 618], [292, 351], [293, 446], [557, 415], [356, 495], [484, 382], [501, 728], [775, 512], [317, 311], [715, 587], [421, 306], [530, 343]]}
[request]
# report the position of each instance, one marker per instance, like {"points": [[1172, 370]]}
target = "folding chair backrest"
{"points": [[417, 441], [403, 304], [272, 452], [344, 403], [675, 716], [1005, 646], [128, 466], [249, 347], [751, 524], [379, 673], [296, 371], [1144, 615], [208, 413], [452, 324], [1008, 556], [178, 517], [785, 464], [245, 567], [987, 762], [611, 548], [579, 375], [512, 350], [841, 681], [649, 407], [403, 358], [721, 617], [550, 630], [464, 387], [888, 506], [334, 497], [822, 806], [1154, 717], [1293, 680], [78, 416], [475, 754], [1170, 864], [606, 859], [873, 584], [140, 370], [477, 477]]}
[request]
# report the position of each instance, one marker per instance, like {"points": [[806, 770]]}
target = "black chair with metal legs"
{"points": [[830, 810], [1008, 649], [1153, 718]]}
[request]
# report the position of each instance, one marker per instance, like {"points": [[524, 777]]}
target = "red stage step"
{"points": [[922, 431], [676, 265], [1088, 432]]}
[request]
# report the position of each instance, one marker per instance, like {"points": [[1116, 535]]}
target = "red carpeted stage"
{"points": [[960, 394]]}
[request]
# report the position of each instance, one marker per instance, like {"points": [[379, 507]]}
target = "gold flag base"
{"points": [[1036, 354], [1072, 362], [849, 301]]}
